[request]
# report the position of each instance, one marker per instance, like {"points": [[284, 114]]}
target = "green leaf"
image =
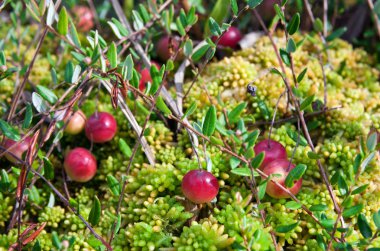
{"points": [[244, 171], [118, 224], [160, 104], [373, 249], [190, 110], [198, 54], [69, 71], [360, 189], [294, 175], [321, 242], [283, 2], [3, 60], [294, 136], [327, 223], [112, 55], [279, 13], [276, 71], [46, 94], [351, 211], [318, 25], [258, 160], [234, 7], [291, 46], [262, 188], [56, 241], [53, 74], [254, 3], [252, 138], [234, 162], [216, 141], [293, 205], [293, 24], [376, 219], [318, 208], [188, 48], [285, 57], [234, 115], [180, 28], [157, 76], [335, 34], [4, 181], [48, 169], [209, 122], [364, 227], [96, 210], [115, 29], [214, 26], [357, 161], [36, 246], [219, 13], [9, 131], [366, 161], [210, 53], [124, 148], [28, 117], [313, 155], [306, 102], [129, 65], [286, 228], [39, 103], [58, 137], [138, 22], [263, 109], [342, 186], [114, 185], [301, 75], [74, 34], [372, 141], [63, 22], [169, 65]]}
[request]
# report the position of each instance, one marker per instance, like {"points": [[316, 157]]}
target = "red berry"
{"points": [[231, 38], [101, 127], [16, 148], [145, 76], [80, 165], [163, 47], [273, 150], [85, 18], [200, 186], [76, 123], [280, 166]]}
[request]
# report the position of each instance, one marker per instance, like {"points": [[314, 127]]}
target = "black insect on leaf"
{"points": [[251, 89]]}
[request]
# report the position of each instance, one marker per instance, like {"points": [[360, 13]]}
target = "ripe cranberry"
{"points": [[231, 38], [76, 123], [85, 18], [145, 76], [101, 127], [18, 148], [200, 186], [163, 47], [280, 166], [80, 165], [273, 150]]}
